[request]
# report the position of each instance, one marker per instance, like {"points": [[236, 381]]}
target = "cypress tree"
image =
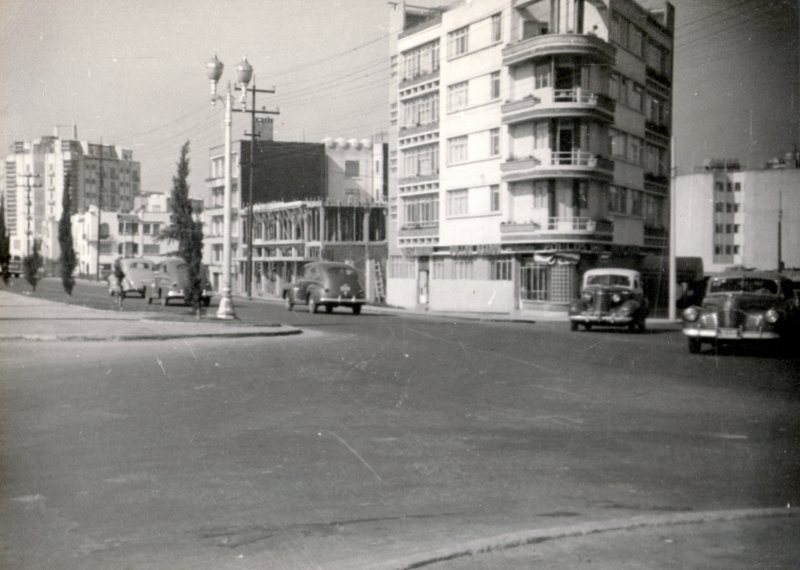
{"points": [[5, 246], [187, 231], [68, 259]]}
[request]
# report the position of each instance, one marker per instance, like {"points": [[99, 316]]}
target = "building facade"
{"points": [[730, 216], [310, 201], [132, 234], [35, 174], [529, 142]]}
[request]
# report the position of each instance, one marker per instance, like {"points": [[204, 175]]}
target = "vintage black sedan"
{"points": [[610, 297], [326, 283], [743, 305]]}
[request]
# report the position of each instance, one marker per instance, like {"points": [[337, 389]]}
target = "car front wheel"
{"points": [[573, 326], [695, 345], [356, 309]]}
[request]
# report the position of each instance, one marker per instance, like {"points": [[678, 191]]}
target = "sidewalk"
{"points": [[29, 318]]}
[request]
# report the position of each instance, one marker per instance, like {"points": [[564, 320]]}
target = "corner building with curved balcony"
{"points": [[529, 142]]}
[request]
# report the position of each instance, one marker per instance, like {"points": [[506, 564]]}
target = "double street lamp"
{"points": [[244, 71]]}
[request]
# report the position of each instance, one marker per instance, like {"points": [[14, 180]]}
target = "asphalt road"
{"points": [[370, 438]]}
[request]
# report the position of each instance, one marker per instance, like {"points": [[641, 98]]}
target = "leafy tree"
{"points": [[31, 264], [187, 231], [68, 259], [5, 246]]}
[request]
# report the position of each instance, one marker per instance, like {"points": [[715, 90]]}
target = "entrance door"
{"points": [[423, 281]]}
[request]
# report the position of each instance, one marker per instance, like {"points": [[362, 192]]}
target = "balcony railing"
{"points": [[419, 229], [581, 226], [545, 161], [587, 45], [559, 102]]}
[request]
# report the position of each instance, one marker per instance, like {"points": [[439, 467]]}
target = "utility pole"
{"points": [[99, 207], [28, 229], [780, 231], [248, 270]]}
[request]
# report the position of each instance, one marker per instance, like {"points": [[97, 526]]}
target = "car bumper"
{"points": [[730, 334], [178, 293], [343, 300], [602, 319]]}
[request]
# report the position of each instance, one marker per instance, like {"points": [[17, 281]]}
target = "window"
{"points": [[719, 186], [352, 168], [617, 143], [458, 42], [737, 186], [457, 96], [501, 270], [457, 202], [729, 187], [635, 99], [462, 269], [494, 142], [421, 211], [457, 150], [719, 207], [494, 191], [497, 28], [542, 76], [495, 79]]}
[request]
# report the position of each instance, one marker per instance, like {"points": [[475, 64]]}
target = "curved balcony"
{"points": [[585, 45], [557, 164], [557, 229], [549, 103]]}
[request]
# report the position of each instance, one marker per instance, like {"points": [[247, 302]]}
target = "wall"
{"points": [[472, 295], [401, 292]]}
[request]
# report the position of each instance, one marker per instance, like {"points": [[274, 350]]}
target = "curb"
{"points": [[525, 538], [78, 337]]}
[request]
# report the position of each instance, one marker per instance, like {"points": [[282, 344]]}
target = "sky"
{"points": [[133, 74]]}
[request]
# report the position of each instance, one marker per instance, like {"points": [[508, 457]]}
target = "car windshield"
{"points": [[609, 279], [138, 265], [341, 272], [743, 285]]}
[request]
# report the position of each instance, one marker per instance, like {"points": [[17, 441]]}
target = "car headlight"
{"points": [[616, 298], [691, 314], [772, 316], [586, 298]]}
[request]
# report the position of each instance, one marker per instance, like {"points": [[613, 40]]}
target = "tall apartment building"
{"points": [[529, 142], [310, 201], [730, 216], [35, 176]]}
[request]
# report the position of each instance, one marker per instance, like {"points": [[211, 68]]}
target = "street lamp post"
{"points": [[244, 72]]}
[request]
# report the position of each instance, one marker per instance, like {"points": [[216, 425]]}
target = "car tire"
{"points": [[695, 345], [641, 326], [206, 301], [587, 326], [573, 326], [356, 309], [312, 305], [287, 299], [329, 309]]}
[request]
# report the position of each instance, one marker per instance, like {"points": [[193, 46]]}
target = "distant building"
{"points": [[34, 186], [529, 142], [730, 216], [310, 201]]}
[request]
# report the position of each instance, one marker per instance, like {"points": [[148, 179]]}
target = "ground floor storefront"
{"points": [[512, 282]]}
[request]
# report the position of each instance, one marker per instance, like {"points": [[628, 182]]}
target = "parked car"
{"points": [[326, 283], [15, 266], [170, 281], [743, 305], [138, 274], [610, 297]]}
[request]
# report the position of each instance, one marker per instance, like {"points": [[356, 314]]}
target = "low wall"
{"points": [[401, 292], [472, 296]]}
